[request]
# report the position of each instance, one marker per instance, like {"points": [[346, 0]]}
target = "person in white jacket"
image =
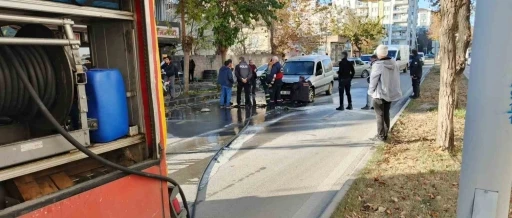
{"points": [[384, 88]]}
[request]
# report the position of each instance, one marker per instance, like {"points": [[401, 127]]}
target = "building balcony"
{"points": [[362, 5], [401, 2], [400, 20], [398, 37], [399, 28], [400, 11]]}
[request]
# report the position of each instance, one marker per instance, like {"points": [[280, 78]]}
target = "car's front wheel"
{"points": [[329, 90], [311, 95], [365, 74]]}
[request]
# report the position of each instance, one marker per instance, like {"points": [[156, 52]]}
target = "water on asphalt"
{"points": [[199, 136]]}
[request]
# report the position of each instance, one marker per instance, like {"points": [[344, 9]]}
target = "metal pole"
{"points": [[486, 174], [37, 41], [390, 30], [37, 20]]}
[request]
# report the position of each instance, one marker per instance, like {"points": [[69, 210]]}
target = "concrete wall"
{"points": [[214, 62]]}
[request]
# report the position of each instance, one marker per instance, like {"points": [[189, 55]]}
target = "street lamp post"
{"points": [[486, 174]]}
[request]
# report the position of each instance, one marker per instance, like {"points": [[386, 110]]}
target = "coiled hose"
{"points": [[18, 71], [34, 63]]}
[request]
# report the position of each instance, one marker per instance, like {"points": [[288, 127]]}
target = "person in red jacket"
{"points": [[276, 76]]}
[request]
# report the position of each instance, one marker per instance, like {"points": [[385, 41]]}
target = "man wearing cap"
{"points": [[384, 88]]}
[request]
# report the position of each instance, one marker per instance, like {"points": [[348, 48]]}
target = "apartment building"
{"points": [[399, 15], [424, 18]]}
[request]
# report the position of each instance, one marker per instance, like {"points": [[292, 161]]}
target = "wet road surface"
{"points": [[289, 163]]}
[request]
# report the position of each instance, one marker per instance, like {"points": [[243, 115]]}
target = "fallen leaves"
{"points": [[407, 177], [381, 209], [394, 199]]}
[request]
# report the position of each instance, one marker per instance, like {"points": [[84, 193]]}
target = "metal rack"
{"points": [[20, 152], [36, 166], [52, 7]]}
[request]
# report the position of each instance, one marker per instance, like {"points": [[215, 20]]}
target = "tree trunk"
{"points": [[445, 131], [223, 53], [184, 45], [273, 46], [463, 40]]}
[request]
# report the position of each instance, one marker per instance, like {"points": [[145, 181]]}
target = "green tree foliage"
{"points": [[361, 31], [225, 18]]}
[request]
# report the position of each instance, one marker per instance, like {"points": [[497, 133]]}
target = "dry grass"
{"points": [[411, 176]]}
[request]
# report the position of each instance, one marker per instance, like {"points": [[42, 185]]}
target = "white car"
{"points": [[261, 69], [362, 68], [316, 69], [422, 56], [366, 58]]}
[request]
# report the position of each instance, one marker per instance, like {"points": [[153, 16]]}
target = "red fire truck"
{"points": [[77, 142]]}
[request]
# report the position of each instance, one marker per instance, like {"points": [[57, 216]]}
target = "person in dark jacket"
{"points": [[171, 72], [191, 69], [243, 77], [253, 81], [416, 68], [182, 64], [225, 80], [275, 79], [346, 73]]}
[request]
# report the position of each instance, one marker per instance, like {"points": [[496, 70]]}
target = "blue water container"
{"points": [[106, 97]]}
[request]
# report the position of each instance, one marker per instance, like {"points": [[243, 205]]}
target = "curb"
{"points": [[338, 197]]}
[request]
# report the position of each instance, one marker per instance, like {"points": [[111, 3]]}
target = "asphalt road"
{"points": [[291, 165]]}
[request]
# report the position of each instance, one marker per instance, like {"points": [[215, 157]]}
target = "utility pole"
{"points": [[390, 29], [486, 175]]}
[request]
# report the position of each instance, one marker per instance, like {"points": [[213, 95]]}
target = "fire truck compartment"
{"points": [[32, 156]]}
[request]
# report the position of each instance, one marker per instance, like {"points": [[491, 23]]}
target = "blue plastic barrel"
{"points": [[106, 98]]}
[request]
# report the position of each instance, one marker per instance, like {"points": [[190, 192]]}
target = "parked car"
{"points": [[261, 69], [430, 56], [366, 58], [422, 56], [362, 69], [317, 69]]}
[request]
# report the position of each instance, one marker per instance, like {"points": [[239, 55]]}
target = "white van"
{"points": [[317, 69], [399, 53]]}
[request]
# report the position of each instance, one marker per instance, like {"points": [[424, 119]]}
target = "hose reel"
{"points": [[49, 72]]}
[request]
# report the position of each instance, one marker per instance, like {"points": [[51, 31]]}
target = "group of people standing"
{"points": [[384, 85], [245, 77]]}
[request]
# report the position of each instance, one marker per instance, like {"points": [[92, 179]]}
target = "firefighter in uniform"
{"points": [[265, 82]]}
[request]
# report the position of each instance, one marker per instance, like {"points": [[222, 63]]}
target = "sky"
{"points": [[424, 4]]}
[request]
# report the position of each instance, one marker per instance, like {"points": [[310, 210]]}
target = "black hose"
{"points": [[20, 71], [15, 100]]}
